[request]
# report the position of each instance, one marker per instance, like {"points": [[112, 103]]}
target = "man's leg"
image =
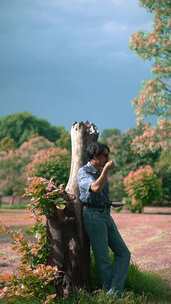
{"points": [[122, 257], [96, 228]]}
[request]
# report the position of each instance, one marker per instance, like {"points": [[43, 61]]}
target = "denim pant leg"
{"points": [[122, 257], [97, 231]]}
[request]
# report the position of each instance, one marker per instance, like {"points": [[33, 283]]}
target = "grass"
{"points": [[14, 206], [148, 283], [84, 298], [142, 283], [18, 300]]}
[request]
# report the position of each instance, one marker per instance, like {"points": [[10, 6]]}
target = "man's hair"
{"points": [[95, 149]]}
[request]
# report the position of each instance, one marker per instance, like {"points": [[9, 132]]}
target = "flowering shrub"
{"points": [[32, 252], [5, 278], [45, 195], [50, 163], [35, 278], [47, 170], [142, 187], [37, 282], [13, 163]]}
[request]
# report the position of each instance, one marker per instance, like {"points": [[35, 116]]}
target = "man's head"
{"points": [[98, 154]]}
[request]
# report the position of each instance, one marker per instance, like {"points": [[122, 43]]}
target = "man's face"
{"points": [[102, 159]]}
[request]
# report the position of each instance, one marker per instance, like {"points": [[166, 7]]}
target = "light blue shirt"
{"points": [[86, 175]]}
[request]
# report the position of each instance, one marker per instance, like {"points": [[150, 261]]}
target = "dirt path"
{"points": [[148, 237]]}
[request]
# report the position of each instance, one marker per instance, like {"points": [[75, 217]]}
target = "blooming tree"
{"points": [[14, 161], [154, 99]]}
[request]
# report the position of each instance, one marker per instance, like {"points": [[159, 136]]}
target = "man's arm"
{"points": [[99, 183]]}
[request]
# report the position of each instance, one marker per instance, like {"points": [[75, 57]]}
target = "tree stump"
{"points": [[70, 249]]}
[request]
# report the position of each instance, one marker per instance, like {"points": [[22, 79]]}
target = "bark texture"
{"points": [[68, 242]]}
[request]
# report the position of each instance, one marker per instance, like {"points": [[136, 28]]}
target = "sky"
{"points": [[69, 60]]}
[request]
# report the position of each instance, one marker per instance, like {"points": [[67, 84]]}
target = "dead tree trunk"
{"points": [[69, 245]]}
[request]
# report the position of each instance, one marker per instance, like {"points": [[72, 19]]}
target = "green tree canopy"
{"points": [[7, 144], [163, 168], [21, 126], [106, 133]]}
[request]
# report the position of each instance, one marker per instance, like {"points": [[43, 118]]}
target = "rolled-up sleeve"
{"points": [[84, 182]]}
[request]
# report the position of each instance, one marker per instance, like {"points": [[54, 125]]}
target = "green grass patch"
{"points": [[148, 283], [140, 283], [14, 206], [86, 298], [102, 298], [18, 300]]}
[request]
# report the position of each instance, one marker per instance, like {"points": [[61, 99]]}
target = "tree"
{"points": [[7, 144], [154, 99], [163, 169], [50, 163], [127, 159], [65, 140], [14, 162], [108, 133], [20, 127]]}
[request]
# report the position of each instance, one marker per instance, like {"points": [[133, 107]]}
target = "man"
{"points": [[99, 225]]}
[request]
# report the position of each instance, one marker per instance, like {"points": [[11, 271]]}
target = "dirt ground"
{"points": [[147, 235]]}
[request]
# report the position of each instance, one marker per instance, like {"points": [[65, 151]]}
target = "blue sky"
{"points": [[68, 60]]}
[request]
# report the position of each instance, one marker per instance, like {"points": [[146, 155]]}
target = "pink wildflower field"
{"points": [[147, 235]]}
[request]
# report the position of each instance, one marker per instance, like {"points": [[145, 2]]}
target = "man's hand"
{"points": [[99, 183], [109, 165]]}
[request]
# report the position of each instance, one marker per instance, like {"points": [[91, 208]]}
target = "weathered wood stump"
{"points": [[70, 249]]}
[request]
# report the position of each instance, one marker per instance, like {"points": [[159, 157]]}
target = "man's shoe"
{"points": [[113, 292]]}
